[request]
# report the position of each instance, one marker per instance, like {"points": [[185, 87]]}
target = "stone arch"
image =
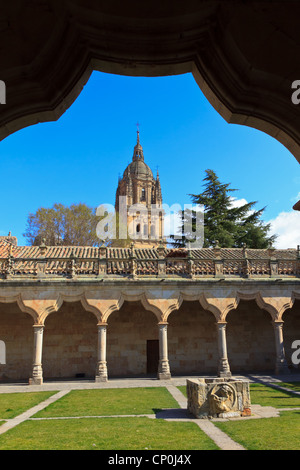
{"points": [[70, 342], [129, 331], [250, 338], [192, 340], [140, 40], [17, 336], [52, 306]]}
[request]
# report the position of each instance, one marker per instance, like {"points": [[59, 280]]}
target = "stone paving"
{"points": [[222, 440]]}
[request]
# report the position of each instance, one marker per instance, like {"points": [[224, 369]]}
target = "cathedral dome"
{"points": [[138, 168]]}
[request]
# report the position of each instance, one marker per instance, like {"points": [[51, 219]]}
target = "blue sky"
{"points": [[79, 157]]}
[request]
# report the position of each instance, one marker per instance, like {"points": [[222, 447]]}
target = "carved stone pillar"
{"points": [[37, 371], [281, 366], [223, 366], [163, 367], [101, 371]]}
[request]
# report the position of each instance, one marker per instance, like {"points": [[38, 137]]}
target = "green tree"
{"points": [[229, 225], [63, 225]]}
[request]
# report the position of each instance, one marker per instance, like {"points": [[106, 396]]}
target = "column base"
{"points": [[225, 374], [164, 376], [164, 370], [224, 370], [37, 375], [36, 381], [101, 372], [101, 378], [282, 369]]}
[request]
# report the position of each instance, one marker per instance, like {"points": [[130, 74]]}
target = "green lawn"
{"points": [[268, 396], [139, 433], [291, 385], [106, 434], [13, 404], [182, 388], [122, 401], [280, 433], [266, 434]]}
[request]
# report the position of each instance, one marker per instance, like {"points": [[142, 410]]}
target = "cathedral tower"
{"points": [[140, 193]]}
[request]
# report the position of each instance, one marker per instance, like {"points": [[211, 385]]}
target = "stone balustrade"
{"points": [[141, 263]]}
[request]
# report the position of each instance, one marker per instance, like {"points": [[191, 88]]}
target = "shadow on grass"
{"points": [[173, 413]]}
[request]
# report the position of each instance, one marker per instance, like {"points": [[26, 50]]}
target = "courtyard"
{"points": [[144, 415]]}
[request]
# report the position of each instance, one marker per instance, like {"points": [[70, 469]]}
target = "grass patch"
{"points": [[106, 434], [266, 434], [267, 396], [291, 385], [128, 401], [13, 404], [182, 388]]}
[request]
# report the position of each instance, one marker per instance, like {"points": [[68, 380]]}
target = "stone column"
{"points": [[223, 366], [37, 371], [101, 371], [163, 367], [281, 366]]}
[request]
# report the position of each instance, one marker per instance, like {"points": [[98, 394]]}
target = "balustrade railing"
{"points": [[132, 266]]}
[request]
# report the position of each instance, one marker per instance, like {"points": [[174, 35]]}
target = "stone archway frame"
{"points": [[275, 304], [23, 306], [42, 304], [214, 42], [160, 303]]}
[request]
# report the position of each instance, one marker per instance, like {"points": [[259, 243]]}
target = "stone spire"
{"points": [[158, 190], [138, 154]]}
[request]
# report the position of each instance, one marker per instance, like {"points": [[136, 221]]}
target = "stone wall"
{"points": [[127, 334], [192, 340], [17, 334], [250, 339], [70, 342]]}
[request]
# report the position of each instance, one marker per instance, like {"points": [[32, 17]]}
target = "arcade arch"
{"points": [[17, 343]]}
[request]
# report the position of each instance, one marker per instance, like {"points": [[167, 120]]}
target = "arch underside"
{"points": [[243, 56]]}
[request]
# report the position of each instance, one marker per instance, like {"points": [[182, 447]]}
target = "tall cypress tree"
{"points": [[230, 226]]}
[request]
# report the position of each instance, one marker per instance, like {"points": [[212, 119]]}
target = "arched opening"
{"points": [[70, 343], [132, 342], [17, 336], [250, 339], [192, 340], [291, 333], [143, 40]]}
